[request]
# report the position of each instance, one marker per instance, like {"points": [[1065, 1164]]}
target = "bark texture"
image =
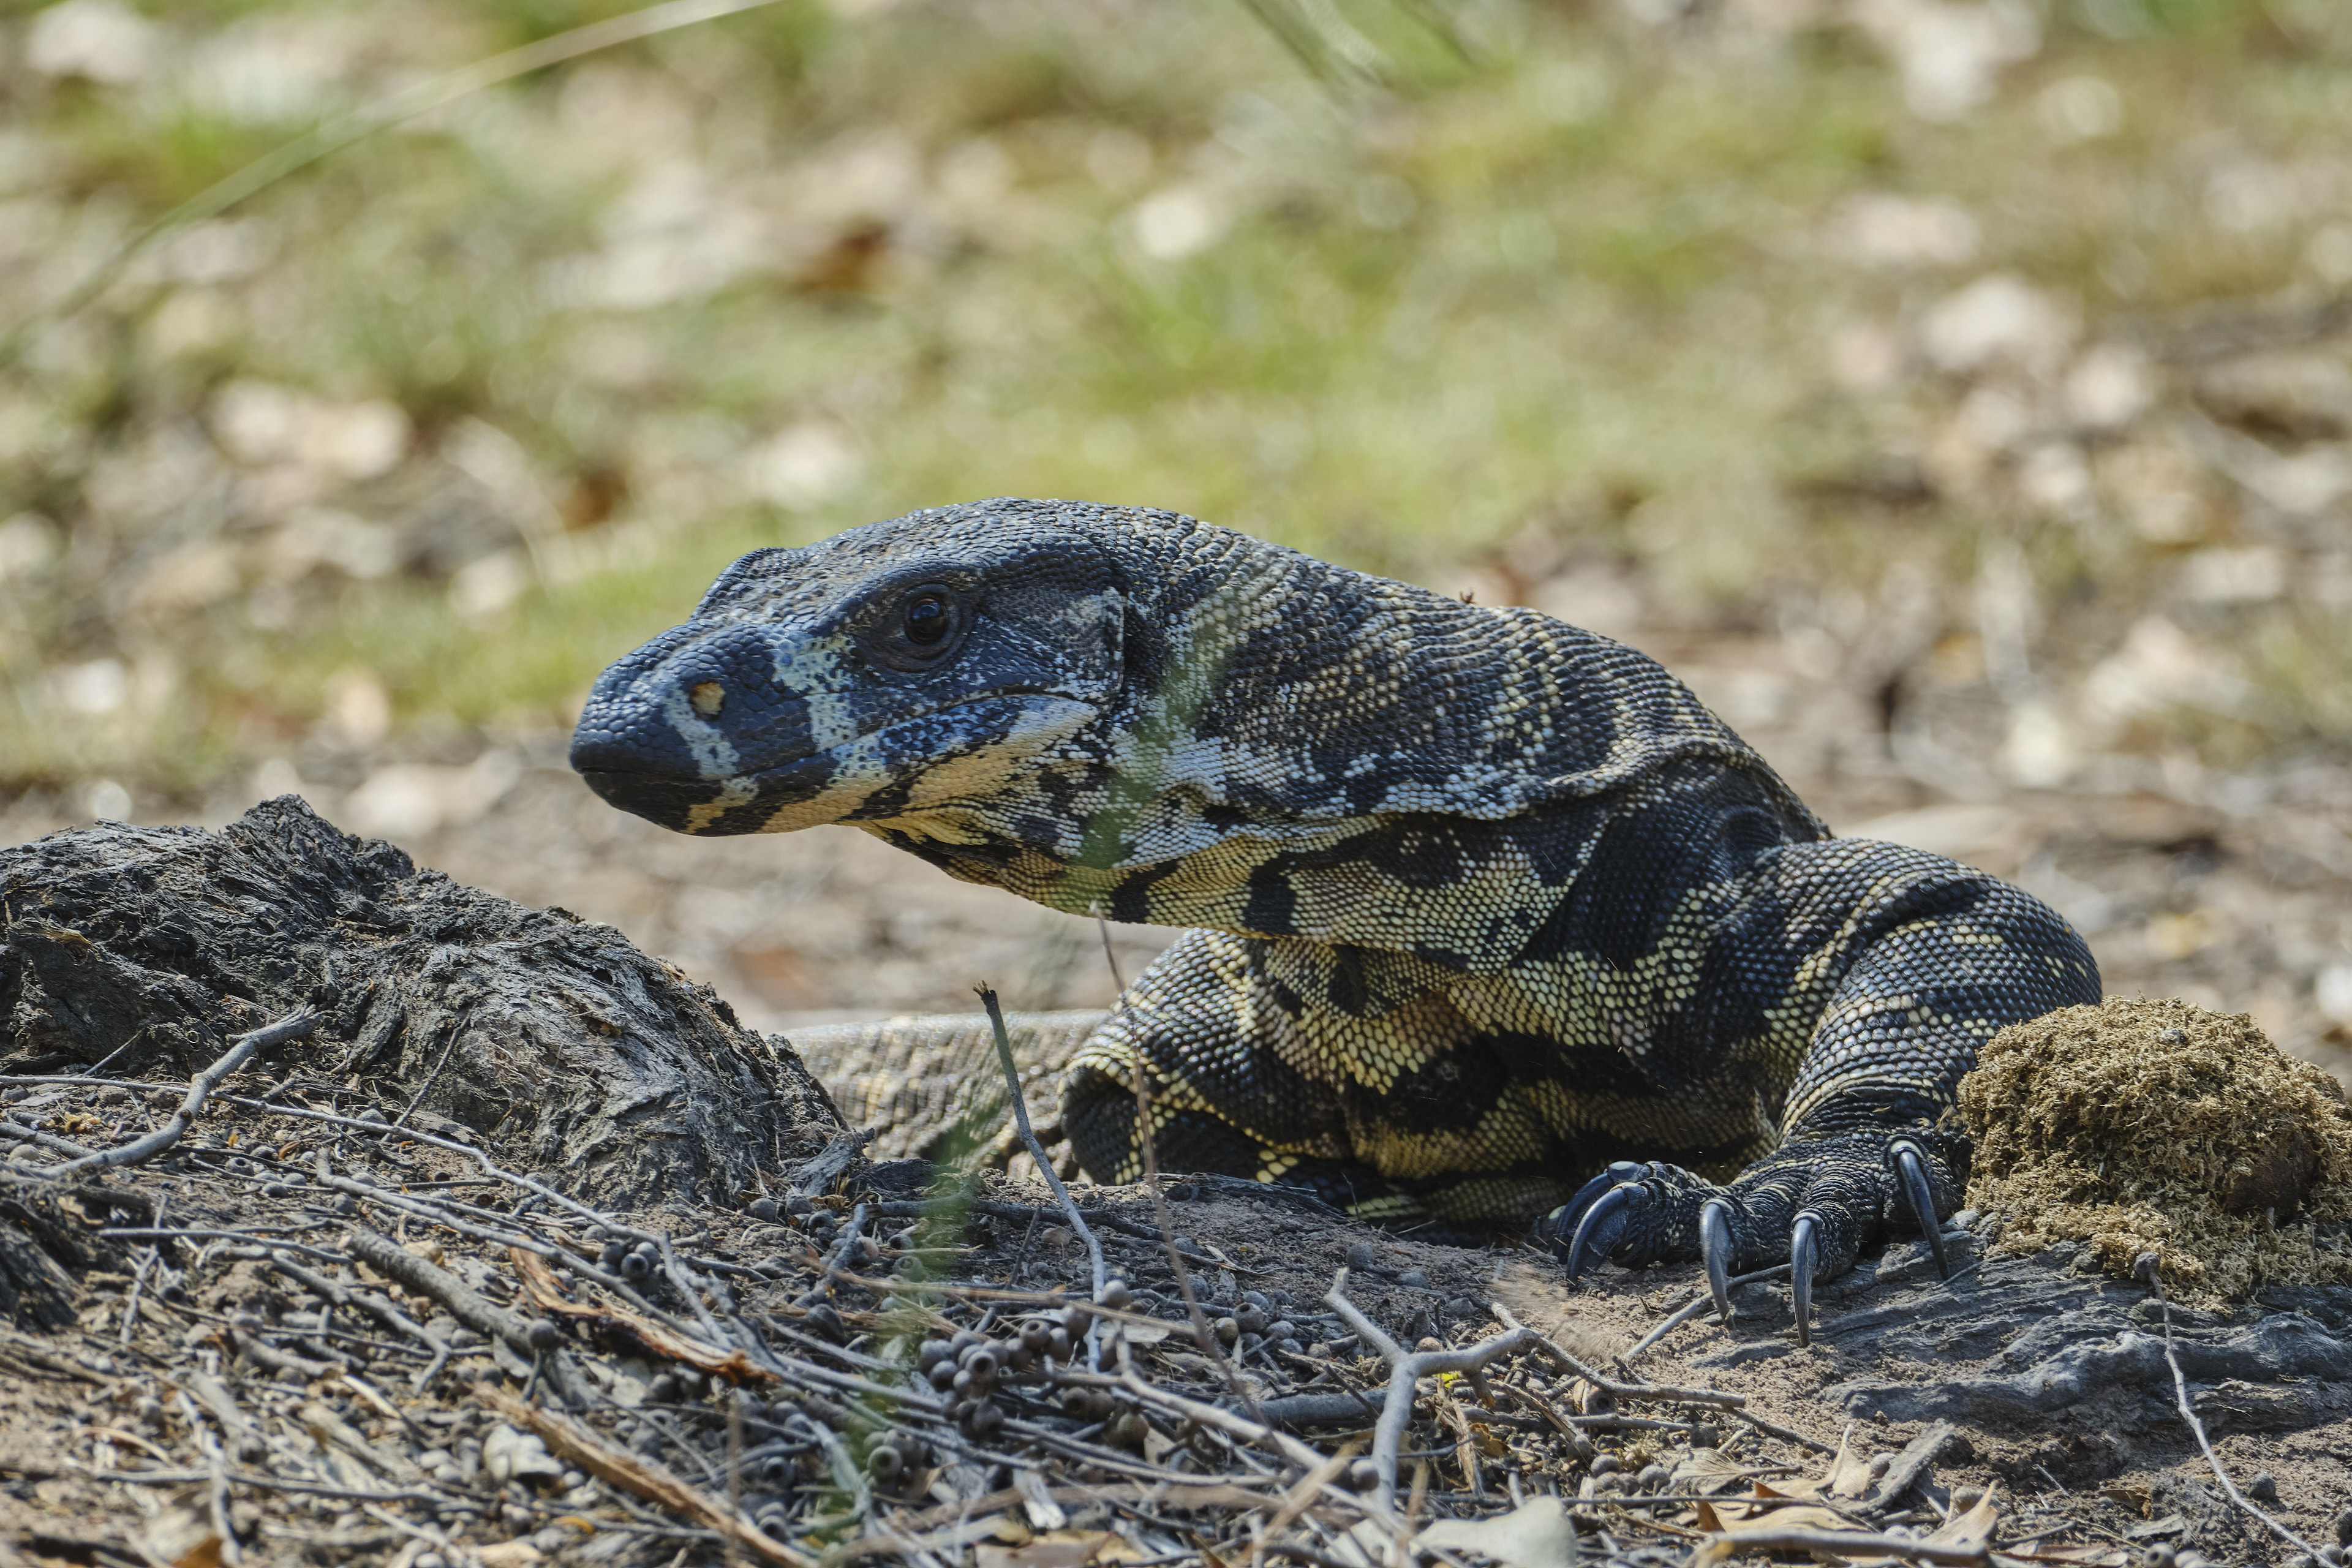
{"points": [[573, 1053]]}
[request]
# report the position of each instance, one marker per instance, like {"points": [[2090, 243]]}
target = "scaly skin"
{"points": [[1497, 919]]}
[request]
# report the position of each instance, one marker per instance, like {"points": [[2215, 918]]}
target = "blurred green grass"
{"points": [[1578, 293]]}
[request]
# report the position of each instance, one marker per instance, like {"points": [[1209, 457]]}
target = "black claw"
{"points": [[1619, 1173], [1610, 1205], [1800, 1273], [1715, 1246], [1911, 1181]]}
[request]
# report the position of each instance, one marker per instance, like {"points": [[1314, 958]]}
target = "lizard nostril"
{"points": [[708, 697]]}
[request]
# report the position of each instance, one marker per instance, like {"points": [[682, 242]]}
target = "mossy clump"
{"points": [[2152, 1126]]}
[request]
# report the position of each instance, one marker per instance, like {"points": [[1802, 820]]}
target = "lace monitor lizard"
{"points": [[1495, 922]]}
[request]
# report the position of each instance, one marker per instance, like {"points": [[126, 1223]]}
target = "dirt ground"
{"points": [[2022, 1381]]}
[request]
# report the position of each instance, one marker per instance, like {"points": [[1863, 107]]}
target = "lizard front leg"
{"points": [[1931, 960]]}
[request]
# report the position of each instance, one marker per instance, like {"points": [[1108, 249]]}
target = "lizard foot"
{"points": [[1814, 1202]]}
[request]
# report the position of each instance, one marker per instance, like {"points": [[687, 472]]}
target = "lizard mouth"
{"points": [[958, 753]]}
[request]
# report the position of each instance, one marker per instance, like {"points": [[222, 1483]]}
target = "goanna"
{"points": [[1495, 921]]}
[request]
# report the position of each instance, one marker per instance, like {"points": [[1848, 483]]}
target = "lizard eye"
{"points": [[925, 626], [929, 618]]}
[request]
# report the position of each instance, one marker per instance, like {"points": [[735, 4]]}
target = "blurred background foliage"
{"points": [[1992, 355]]}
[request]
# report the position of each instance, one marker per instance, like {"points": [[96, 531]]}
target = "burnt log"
{"points": [[550, 1041]]}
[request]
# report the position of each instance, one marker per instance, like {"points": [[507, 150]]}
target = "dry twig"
{"points": [[292, 1026], [1836, 1545], [2145, 1266], [1657, 1393], [568, 1439], [1029, 1138], [1693, 1309], [1406, 1369]]}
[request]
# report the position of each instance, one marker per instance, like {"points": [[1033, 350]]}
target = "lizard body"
{"points": [[1485, 904]]}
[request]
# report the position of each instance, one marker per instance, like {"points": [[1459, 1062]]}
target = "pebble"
{"points": [[1359, 1256], [2263, 1488]]}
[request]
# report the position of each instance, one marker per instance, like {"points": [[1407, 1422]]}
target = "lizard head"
{"points": [[897, 669]]}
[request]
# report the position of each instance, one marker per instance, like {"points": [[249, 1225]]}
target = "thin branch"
{"points": [[1838, 1544], [374, 1306], [1029, 1138], [1785, 1434], [159, 1233], [1693, 1309], [293, 1027], [50, 1140], [568, 1439], [1103, 927], [1407, 1368], [420, 1203], [1657, 1393], [2145, 1266], [529, 1336]]}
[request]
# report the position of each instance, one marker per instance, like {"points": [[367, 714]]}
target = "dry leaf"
{"points": [[1733, 1521], [1706, 1470], [1848, 1475], [509, 1554], [1972, 1530], [1536, 1534], [1142, 1334], [1053, 1549], [2085, 1556], [184, 1538], [541, 1284]]}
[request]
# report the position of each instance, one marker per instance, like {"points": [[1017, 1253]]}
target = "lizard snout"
{"points": [[670, 728]]}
